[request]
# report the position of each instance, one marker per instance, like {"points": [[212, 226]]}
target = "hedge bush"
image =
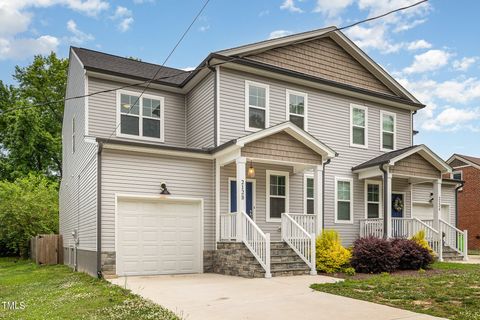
{"points": [[374, 255], [420, 239], [412, 255], [331, 256]]}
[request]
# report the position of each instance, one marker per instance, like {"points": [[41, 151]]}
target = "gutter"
{"points": [[99, 210], [323, 192], [385, 199], [413, 131]]}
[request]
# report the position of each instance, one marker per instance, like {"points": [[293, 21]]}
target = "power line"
{"points": [[197, 69]]}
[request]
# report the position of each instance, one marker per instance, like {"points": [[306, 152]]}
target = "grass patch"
{"points": [[55, 292], [453, 292]]}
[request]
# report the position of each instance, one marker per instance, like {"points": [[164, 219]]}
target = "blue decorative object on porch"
{"points": [[233, 197]]}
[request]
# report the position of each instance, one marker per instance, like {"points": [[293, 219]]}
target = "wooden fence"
{"points": [[47, 249]]}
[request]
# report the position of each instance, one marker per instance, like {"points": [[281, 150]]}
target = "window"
{"points": [[457, 175], [372, 199], [140, 117], [359, 129], [73, 134], [343, 200], [309, 195], [387, 142], [277, 194], [256, 106], [297, 108]]}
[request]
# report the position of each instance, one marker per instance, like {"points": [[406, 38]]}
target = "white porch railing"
{"points": [[256, 241], [306, 221], [228, 227], [454, 238], [371, 228], [302, 242]]}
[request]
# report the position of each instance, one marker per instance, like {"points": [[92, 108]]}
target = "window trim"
{"points": [[74, 131], [380, 198], [337, 179], [305, 193], [267, 193], [249, 83], [365, 109], [288, 92], [382, 113], [140, 116]]}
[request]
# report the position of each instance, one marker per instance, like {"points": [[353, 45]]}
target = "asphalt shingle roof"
{"points": [[384, 158], [100, 61], [470, 158]]}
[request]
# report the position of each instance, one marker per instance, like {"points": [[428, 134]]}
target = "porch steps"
{"points": [[451, 255], [285, 262]]}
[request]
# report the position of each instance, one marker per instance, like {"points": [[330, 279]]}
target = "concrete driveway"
{"points": [[212, 296]]}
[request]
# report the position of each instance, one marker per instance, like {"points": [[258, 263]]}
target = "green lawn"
{"points": [[450, 290], [55, 292]]}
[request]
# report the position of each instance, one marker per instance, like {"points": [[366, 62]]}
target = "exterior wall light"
{"points": [[251, 171], [163, 187]]}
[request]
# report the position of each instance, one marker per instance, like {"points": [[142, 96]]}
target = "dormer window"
{"points": [[140, 117], [256, 106]]}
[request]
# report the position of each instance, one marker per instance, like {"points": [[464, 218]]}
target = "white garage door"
{"points": [[158, 237], [424, 211]]}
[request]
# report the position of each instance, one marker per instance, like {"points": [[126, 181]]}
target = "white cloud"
{"points": [[78, 36], [429, 61], [373, 38], [453, 119], [124, 16], [204, 28], [19, 49], [143, 1], [404, 26], [332, 8], [419, 44], [464, 64], [279, 34], [188, 68], [290, 6], [12, 21]]}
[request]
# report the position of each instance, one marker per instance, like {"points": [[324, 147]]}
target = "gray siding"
{"points": [[421, 194], [200, 114], [141, 174], [78, 197], [102, 112], [295, 189], [329, 121]]}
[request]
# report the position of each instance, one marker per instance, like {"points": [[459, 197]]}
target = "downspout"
{"points": [[215, 116], [323, 193], [412, 133], [462, 183], [99, 210], [385, 199]]}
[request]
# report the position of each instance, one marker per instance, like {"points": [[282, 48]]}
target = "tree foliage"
{"points": [[28, 207], [30, 137]]}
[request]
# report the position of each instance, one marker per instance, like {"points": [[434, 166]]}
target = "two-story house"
{"points": [[467, 169], [235, 166]]}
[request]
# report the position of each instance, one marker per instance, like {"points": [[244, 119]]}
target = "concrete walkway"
{"points": [[212, 296], [472, 259]]}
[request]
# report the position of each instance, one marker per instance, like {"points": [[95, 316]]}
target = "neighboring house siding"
{"points": [[295, 190], [103, 108], [200, 114], [325, 59], [329, 121], [78, 197], [141, 174], [422, 194]]}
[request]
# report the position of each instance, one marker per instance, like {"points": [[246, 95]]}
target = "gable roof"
{"points": [[120, 66], [392, 157], [473, 161], [336, 35]]}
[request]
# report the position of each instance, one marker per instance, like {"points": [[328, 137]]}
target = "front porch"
{"points": [[260, 179], [398, 217]]}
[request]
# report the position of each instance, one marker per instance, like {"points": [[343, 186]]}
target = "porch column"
{"points": [[437, 207], [387, 205], [241, 199], [318, 199]]}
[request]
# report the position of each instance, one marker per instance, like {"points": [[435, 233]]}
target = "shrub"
{"points": [[331, 256], [28, 206], [412, 255], [374, 255], [419, 238]]}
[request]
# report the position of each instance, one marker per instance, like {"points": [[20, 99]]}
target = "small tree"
{"points": [[331, 257], [28, 206]]}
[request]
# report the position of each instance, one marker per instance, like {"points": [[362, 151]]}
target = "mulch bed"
{"points": [[399, 273]]}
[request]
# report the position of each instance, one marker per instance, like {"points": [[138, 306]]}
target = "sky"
{"points": [[432, 49]]}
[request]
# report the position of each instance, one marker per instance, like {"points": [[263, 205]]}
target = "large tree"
{"points": [[31, 113]]}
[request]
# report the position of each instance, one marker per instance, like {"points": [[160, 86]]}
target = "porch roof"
{"points": [[392, 157]]}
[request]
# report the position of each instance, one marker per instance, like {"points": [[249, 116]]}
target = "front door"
{"points": [[397, 205], [250, 197]]}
